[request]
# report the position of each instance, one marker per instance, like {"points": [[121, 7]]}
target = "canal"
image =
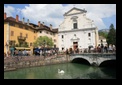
{"points": [[71, 71]]}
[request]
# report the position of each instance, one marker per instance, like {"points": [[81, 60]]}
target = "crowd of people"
{"points": [[98, 49], [106, 49], [49, 52], [45, 51], [36, 52], [15, 52]]}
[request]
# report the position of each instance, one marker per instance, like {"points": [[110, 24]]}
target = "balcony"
{"points": [[21, 38]]}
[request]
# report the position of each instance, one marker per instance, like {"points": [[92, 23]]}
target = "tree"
{"points": [[40, 41], [104, 34], [111, 38]]}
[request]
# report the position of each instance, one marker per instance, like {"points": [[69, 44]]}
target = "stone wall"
{"points": [[16, 63]]}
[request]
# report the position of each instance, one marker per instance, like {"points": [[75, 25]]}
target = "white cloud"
{"points": [[98, 11], [9, 10], [53, 13], [48, 13]]}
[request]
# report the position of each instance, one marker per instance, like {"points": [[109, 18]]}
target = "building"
{"points": [[77, 31], [18, 33], [21, 33], [104, 42], [43, 30]]}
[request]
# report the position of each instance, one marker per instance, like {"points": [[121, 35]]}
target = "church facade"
{"points": [[77, 31]]}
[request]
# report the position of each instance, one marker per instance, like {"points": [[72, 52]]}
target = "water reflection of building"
{"points": [[77, 31]]}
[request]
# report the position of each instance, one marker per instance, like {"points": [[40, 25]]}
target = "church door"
{"points": [[75, 45]]}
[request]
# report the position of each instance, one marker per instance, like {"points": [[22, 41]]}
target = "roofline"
{"points": [[34, 28], [76, 9], [75, 30], [19, 23], [47, 30]]}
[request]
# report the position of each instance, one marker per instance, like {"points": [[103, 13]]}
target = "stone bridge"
{"points": [[94, 58]]}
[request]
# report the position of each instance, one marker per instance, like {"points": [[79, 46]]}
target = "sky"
{"points": [[103, 15]]}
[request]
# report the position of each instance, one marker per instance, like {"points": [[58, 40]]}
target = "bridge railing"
{"points": [[104, 55]]}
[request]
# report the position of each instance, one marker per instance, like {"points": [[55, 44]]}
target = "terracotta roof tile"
{"points": [[55, 30], [42, 27], [11, 18]]}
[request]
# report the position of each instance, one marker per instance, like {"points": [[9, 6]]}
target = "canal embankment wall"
{"points": [[15, 63]]}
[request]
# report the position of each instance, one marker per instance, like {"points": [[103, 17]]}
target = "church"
{"points": [[77, 31]]}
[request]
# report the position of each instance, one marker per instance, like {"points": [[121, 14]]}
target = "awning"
{"points": [[22, 48]]}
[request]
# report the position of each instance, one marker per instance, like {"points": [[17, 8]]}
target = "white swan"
{"points": [[60, 71]]}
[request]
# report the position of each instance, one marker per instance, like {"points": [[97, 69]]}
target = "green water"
{"points": [[72, 71]]}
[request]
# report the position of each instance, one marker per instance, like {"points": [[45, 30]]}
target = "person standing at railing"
{"points": [[19, 53], [114, 48], [110, 48], [16, 52], [102, 48], [106, 49], [12, 50], [24, 52], [67, 52]]}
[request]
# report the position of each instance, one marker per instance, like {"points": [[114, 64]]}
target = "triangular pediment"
{"points": [[75, 11], [75, 38]]}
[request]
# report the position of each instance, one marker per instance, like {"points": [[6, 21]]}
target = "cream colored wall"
{"points": [[104, 41], [56, 38], [5, 35], [44, 34]]}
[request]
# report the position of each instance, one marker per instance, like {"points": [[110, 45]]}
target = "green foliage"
{"points": [[111, 38], [40, 41], [104, 34]]}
